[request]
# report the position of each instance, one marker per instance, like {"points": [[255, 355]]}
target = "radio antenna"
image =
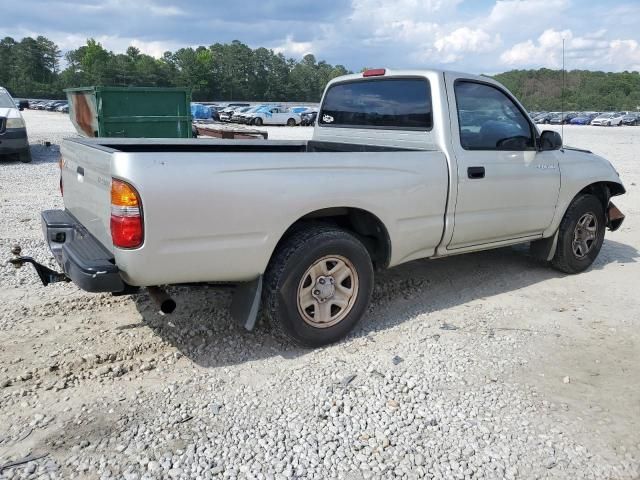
{"points": [[562, 96]]}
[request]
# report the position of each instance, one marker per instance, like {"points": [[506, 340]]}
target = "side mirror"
{"points": [[550, 140]]}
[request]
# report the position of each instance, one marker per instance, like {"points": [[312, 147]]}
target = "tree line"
{"points": [[583, 89], [233, 71], [36, 68]]}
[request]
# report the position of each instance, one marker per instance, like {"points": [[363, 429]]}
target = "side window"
{"points": [[489, 120], [383, 103]]}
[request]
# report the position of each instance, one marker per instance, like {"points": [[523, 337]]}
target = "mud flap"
{"points": [[545, 248], [246, 303]]}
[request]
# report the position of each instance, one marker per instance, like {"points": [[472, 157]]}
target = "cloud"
{"points": [[592, 51], [477, 36], [292, 48], [465, 40]]}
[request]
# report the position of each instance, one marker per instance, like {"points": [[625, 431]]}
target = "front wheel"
{"points": [[25, 156], [318, 285], [291, 122], [581, 235], [257, 122]]}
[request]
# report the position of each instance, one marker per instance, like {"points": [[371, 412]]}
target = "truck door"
{"points": [[507, 189]]}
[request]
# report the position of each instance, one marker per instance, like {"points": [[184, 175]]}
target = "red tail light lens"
{"points": [[126, 216], [126, 232]]}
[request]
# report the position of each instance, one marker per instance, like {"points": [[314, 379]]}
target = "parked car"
{"points": [[274, 116], [244, 115], [21, 104], [59, 108], [631, 119], [51, 107], [562, 118], [13, 131], [300, 109], [308, 118], [583, 119], [616, 119], [227, 113], [545, 118], [43, 105], [301, 226], [238, 115], [602, 119]]}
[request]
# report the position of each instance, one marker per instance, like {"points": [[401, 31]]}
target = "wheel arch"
{"points": [[603, 190], [366, 226]]}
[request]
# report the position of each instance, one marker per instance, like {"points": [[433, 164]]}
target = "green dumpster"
{"points": [[133, 112]]}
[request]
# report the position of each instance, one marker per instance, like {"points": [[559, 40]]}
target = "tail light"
{"points": [[126, 215]]}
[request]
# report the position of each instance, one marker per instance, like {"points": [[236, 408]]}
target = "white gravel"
{"points": [[480, 366]]}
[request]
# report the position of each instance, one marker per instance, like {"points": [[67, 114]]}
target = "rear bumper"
{"points": [[82, 257]]}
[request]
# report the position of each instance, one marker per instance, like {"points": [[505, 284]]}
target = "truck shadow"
{"points": [[202, 330]]}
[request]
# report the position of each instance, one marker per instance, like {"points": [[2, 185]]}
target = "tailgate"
{"points": [[86, 180]]}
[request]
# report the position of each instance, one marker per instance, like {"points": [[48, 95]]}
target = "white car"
{"points": [[274, 116], [606, 119], [616, 120]]}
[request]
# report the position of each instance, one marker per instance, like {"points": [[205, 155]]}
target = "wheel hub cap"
{"points": [[324, 288], [327, 291], [584, 235]]}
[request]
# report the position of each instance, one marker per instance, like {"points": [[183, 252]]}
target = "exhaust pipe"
{"points": [[162, 299]]}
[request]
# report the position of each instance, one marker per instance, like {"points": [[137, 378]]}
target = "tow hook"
{"points": [[46, 275]]}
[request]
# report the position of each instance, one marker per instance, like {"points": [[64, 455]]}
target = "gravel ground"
{"points": [[487, 365]]}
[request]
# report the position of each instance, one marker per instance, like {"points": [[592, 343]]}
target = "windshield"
{"points": [[6, 101]]}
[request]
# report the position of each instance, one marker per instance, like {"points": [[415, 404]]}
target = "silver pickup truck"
{"points": [[402, 165]]}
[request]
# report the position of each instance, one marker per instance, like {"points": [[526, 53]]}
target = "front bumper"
{"points": [[82, 257], [13, 140]]}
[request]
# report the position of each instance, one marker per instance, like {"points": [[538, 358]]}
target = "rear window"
{"points": [[392, 103], [6, 101]]}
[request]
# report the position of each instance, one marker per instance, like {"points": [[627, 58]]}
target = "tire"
{"points": [[576, 257], [25, 156], [257, 122], [304, 261], [291, 122]]}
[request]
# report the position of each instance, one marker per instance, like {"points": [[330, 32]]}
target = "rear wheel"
{"points": [[581, 235], [318, 285], [291, 122]]}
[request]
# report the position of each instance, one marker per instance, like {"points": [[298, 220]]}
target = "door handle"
{"points": [[475, 172]]}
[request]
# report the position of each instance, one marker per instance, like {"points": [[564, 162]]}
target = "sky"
{"points": [[476, 36]]}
